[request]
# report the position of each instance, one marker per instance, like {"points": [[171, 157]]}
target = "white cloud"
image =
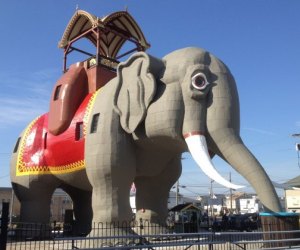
{"points": [[25, 95], [260, 131], [14, 110]]}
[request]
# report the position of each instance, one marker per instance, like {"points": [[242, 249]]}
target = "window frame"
{"points": [[94, 123]]}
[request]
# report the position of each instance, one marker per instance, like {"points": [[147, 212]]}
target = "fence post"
{"points": [[4, 224]]}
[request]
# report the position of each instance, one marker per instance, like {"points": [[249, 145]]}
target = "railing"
{"points": [[107, 62], [140, 235]]}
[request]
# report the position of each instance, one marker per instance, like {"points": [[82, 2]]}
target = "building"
{"points": [[244, 203], [213, 204], [216, 204], [292, 200], [173, 200], [6, 195], [292, 195], [238, 202], [249, 204], [59, 204]]}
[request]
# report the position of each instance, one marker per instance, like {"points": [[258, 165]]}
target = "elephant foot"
{"points": [[33, 231], [149, 223], [81, 229], [111, 235], [151, 229]]}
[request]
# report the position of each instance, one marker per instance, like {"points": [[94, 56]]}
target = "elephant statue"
{"points": [[138, 126]]}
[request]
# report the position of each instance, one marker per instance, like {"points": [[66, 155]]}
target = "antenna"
{"points": [[298, 153], [297, 148], [77, 7]]}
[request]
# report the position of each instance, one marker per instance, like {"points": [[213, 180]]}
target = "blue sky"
{"points": [[259, 40]]}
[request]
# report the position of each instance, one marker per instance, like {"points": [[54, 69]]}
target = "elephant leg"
{"points": [[82, 208], [35, 208], [33, 191], [112, 213], [111, 171], [152, 197], [110, 196], [35, 202]]}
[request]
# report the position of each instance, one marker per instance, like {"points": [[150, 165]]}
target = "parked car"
{"points": [[238, 222]]}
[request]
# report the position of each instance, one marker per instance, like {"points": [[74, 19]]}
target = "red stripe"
{"points": [[193, 133]]}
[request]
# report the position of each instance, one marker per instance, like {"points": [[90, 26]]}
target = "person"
{"points": [[194, 217], [224, 221]]}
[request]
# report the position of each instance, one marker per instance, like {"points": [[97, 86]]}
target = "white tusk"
{"points": [[198, 149]]}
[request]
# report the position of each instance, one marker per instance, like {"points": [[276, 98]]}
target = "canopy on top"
{"points": [[115, 28]]}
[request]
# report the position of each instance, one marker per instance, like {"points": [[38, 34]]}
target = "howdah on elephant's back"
{"points": [[62, 131]]}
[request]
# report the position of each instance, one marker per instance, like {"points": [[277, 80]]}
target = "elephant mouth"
{"points": [[197, 146]]}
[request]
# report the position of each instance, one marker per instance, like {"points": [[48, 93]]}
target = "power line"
{"points": [[2, 177]]}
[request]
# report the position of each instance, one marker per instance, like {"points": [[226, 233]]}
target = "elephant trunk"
{"points": [[223, 125], [230, 147]]}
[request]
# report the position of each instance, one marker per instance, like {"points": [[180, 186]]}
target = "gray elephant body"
{"points": [[115, 164], [144, 116]]}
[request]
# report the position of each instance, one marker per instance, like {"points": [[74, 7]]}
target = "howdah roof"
{"points": [[116, 29]]}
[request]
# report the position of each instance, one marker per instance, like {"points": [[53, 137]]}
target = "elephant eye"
{"points": [[199, 81]]}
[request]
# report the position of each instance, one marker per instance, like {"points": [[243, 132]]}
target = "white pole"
{"points": [[177, 192], [230, 194], [11, 206]]}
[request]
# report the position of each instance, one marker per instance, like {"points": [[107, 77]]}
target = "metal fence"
{"points": [[141, 235], [220, 235]]}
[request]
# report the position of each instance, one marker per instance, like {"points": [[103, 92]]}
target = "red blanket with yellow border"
{"points": [[40, 152]]}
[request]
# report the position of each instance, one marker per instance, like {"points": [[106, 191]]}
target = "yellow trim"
{"points": [[20, 163], [89, 107], [38, 170]]}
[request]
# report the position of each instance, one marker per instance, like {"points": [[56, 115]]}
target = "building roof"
{"points": [[117, 28], [184, 207], [295, 182]]}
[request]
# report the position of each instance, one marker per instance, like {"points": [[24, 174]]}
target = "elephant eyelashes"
{"points": [[199, 81]]}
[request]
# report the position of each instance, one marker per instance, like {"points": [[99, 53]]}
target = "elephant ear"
{"points": [[136, 87]]}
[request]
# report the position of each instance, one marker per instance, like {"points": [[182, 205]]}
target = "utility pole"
{"points": [[230, 191], [177, 192], [211, 197]]}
